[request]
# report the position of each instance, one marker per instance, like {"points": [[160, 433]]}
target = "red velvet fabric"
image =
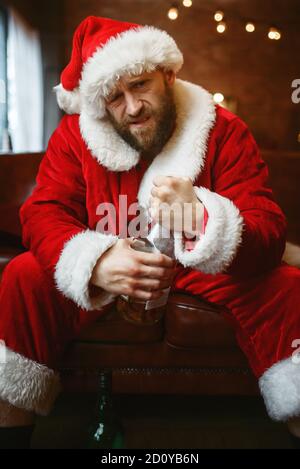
{"points": [[37, 321], [90, 33], [262, 309], [71, 184]]}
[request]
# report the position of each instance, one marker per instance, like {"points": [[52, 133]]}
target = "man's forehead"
{"points": [[128, 79]]}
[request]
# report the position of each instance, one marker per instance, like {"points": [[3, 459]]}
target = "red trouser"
{"points": [[37, 321]]}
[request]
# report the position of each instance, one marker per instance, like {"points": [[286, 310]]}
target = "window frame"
{"points": [[3, 70]]}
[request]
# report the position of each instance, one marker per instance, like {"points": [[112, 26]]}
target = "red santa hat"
{"points": [[103, 51]]}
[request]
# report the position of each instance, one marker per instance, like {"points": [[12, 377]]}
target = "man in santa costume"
{"points": [[132, 128]]}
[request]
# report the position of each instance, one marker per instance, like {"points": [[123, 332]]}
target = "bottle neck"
{"points": [[105, 382], [105, 391]]}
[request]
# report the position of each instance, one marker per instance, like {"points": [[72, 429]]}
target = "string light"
{"points": [[187, 3], [219, 15], [250, 28], [173, 13], [271, 33], [221, 28], [274, 34], [218, 98], [277, 36]]}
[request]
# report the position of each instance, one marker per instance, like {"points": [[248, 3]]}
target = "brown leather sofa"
{"points": [[191, 351]]}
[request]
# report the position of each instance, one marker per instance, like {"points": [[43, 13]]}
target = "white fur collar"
{"points": [[182, 156], [106, 145]]}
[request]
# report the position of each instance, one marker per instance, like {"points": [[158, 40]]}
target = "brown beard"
{"points": [[151, 144]]}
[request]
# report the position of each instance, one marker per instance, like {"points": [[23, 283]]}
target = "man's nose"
{"points": [[133, 105]]}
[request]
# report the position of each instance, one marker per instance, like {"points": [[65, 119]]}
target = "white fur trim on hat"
{"points": [[27, 384], [217, 248], [280, 388], [137, 50], [68, 101], [75, 266]]}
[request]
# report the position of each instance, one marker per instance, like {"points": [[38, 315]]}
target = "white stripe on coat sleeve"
{"points": [[217, 247], [75, 266]]}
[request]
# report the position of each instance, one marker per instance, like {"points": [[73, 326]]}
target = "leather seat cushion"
{"points": [[192, 322], [189, 322]]}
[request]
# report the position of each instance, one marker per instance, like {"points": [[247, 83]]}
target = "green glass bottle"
{"points": [[106, 431]]}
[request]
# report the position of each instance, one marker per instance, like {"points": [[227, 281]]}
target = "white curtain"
{"points": [[25, 86]]}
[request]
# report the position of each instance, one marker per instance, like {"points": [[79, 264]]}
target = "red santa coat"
{"points": [[87, 164]]}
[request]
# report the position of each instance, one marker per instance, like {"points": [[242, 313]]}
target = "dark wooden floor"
{"points": [[168, 422]]}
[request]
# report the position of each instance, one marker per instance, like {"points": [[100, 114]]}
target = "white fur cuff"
{"points": [[217, 248], [280, 388], [75, 266], [27, 384]]}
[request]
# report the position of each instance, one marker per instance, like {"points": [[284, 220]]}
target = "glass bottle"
{"points": [[106, 431], [141, 311]]}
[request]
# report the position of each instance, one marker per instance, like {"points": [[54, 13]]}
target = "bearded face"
{"points": [[143, 112]]}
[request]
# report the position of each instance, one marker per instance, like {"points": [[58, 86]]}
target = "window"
{"points": [[4, 143], [21, 85]]}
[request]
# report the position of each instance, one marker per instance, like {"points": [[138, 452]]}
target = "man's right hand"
{"points": [[121, 270]]}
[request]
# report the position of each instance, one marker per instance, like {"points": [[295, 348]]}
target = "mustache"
{"points": [[143, 115]]}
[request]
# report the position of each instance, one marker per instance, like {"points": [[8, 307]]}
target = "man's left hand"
{"points": [[175, 205]]}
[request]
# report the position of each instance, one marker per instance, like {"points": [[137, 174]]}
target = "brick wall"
{"points": [[249, 68]]}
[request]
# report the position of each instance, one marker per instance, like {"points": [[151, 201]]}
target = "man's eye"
{"points": [[114, 99], [140, 84]]}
